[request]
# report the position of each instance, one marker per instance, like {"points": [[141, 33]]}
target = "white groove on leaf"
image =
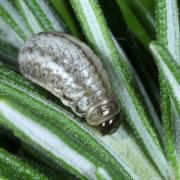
{"points": [[16, 17], [44, 5], [121, 161], [175, 88], [100, 139], [9, 35], [154, 152], [95, 29], [124, 145], [173, 31], [154, 117], [47, 140], [102, 174], [120, 143], [147, 13], [176, 127], [120, 50], [100, 42], [168, 75], [31, 19], [150, 106]]}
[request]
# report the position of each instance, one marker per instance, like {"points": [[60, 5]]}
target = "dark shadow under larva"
{"points": [[70, 70]]}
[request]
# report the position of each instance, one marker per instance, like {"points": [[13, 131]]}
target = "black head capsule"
{"points": [[110, 126], [105, 115]]}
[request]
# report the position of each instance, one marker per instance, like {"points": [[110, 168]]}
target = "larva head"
{"points": [[111, 125], [105, 115]]}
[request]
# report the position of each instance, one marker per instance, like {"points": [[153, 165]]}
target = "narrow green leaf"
{"points": [[141, 61], [168, 126], [36, 160], [144, 10], [63, 10], [61, 120], [170, 70], [108, 142], [45, 14], [121, 53], [133, 23], [113, 150], [3, 178], [28, 16], [47, 138], [14, 168], [8, 34], [149, 4], [150, 108], [10, 15], [170, 86], [8, 54], [168, 29], [168, 35], [100, 39], [24, 8], [102, 174]]}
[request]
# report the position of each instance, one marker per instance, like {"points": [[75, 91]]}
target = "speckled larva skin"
{"points": [[69, 69]]}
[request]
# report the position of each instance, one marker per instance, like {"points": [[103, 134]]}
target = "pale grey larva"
{"points": [[68, 69]]}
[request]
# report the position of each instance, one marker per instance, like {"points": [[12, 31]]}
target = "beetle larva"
{"points": [[68, 69]]}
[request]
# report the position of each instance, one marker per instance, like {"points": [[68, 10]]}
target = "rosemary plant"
{"points": [[138, 43]]}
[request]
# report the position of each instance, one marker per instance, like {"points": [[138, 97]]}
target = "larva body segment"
{"points": [[69, 69]]}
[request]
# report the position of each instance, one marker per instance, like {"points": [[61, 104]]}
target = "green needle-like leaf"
{"points": [[168, 35], [10, 15], [170, 72], [9, 35], [53, 135], [100, 39], [62, 121], [112, 150], [144, 11], [45, 14], [39, 135], [28, 16], [142, 24], [14, 168], [136, 27], [8, 54], [168, 28], [63, 10]]}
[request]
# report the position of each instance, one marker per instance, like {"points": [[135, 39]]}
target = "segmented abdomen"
{"points": [[67, 68]]}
